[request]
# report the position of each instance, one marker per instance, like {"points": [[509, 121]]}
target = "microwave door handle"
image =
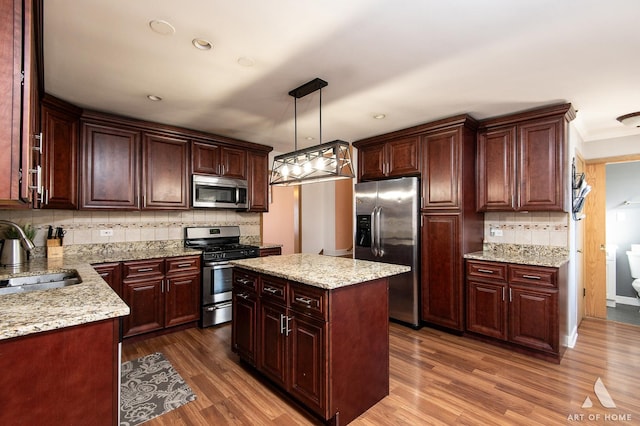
{"points": [[237, 195]]}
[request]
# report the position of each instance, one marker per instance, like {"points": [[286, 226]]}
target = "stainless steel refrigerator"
{"points": [[387, 230]]}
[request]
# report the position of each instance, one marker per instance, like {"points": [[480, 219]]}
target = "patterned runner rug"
{"points": [[150, 387]]}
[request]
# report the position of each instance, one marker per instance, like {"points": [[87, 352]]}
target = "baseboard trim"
{"points": [[572, 338], [624, 300]]}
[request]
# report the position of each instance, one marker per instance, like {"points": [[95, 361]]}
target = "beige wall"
{"points": [[344, 215], [278, 223]]}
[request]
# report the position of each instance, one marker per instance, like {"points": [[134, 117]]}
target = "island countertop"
{"points": [[321, 271]]}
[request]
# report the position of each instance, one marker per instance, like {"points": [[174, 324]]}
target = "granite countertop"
{"points": [[92, 300], [521, 258], [321, 271]]}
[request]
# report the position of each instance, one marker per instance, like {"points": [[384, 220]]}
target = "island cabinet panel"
{"points": [[109, 167], [518, 304], [328, 349], [165, 174], [62, 377], [245, 315], [521, 159]]}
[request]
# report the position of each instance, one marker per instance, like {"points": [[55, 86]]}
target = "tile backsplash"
{"points": [[534, 228], [83, 227]]}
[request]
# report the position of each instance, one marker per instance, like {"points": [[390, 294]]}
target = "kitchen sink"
{"points": [[39, 282]]}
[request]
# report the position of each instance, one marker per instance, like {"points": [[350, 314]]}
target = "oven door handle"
{"points": [[218, 265], [218, 306]]}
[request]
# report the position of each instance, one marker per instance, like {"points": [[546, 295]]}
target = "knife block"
{"points": [[55, 249]]}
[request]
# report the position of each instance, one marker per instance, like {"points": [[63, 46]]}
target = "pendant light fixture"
{"points": [[324, 162]]}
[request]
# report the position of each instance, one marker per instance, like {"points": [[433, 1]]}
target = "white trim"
{"points": [[572, 338], [625, 300]]}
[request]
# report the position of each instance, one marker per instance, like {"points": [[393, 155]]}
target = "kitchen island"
{"points": [[317, 327]]}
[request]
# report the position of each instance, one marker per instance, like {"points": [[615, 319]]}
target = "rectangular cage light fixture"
{"points": [[320, 163]]}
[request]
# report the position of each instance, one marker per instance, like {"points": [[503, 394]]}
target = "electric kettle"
{"points": [[12, 253]]}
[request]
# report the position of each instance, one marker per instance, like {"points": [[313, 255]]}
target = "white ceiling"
{"points": [[414, 60]]}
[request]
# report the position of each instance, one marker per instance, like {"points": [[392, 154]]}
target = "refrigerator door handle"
{"points": [[374, 249], [378, 232]]}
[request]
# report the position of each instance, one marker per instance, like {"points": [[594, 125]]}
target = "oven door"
{"points": [[216, 282]]}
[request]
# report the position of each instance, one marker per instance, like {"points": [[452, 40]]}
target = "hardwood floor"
{"points": [[435, 379]]}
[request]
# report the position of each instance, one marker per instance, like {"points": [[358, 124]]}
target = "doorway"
{"points": [[595, 236]]}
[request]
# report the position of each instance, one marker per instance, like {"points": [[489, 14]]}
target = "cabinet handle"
{"points": [[510, 296], [288, 328], [145, 269], [531, 277], [168, 285], [184, 265], [162, 286], [245, 296], [38, 148], [485, 271], [271, 290], [284, 324], [503, 294], [304, 300], [244, 281], [104, 274]]}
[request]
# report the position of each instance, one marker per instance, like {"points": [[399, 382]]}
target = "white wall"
{"points": [[617, 147]]}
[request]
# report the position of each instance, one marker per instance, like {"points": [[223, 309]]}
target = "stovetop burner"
{"points": [[218, 243]]}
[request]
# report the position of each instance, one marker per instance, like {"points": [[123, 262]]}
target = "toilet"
{"points": [[634, 265]]}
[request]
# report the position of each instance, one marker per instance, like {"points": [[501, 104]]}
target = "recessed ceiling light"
{"points": [[202, 44], [379, 116], [246, 61], [309, 138], [632, 119], [162, 27], [154, 98]]}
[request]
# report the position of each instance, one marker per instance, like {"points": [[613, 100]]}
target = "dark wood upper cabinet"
{"points": [[60, 123], [521, 161], [217, 160], [16, 123], [441, 169], [258, 179], [109, 167], [165, 175], [388, 158]]}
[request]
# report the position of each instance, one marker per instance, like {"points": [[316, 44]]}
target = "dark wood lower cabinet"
{"points": [[328, 349], [67, 376], [519, 305]]}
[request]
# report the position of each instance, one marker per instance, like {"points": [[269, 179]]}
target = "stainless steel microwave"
{"points": [[219, 192]]}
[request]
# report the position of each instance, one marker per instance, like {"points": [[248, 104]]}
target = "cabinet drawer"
{"points": [[533, 275], [183, 264], [308, 300], [273, 288], [243, 278], [488, 270], [143, 268]]}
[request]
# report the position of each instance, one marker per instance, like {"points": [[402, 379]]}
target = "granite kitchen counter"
{"points": [[92, 300], [321, 271], [522, 258]]}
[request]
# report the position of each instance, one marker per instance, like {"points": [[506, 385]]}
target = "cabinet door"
{"points": [[165, 175], [60, 162], [371, 162], [533, 318], [205, 158], [109, 167], [258, 180], [487, 309], [233, 162], [496, 159], [112, 274], [441, 170], [540, 166], [243, 329], [182, 299], [15, 102], [402, 157], [145, 300], [308, 345], [272, 356], [442, 280]]}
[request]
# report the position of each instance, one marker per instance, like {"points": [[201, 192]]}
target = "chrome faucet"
{"points": [[25, 242]]}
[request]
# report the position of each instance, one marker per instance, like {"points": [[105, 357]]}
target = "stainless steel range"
{"points": [[219, 244]]}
